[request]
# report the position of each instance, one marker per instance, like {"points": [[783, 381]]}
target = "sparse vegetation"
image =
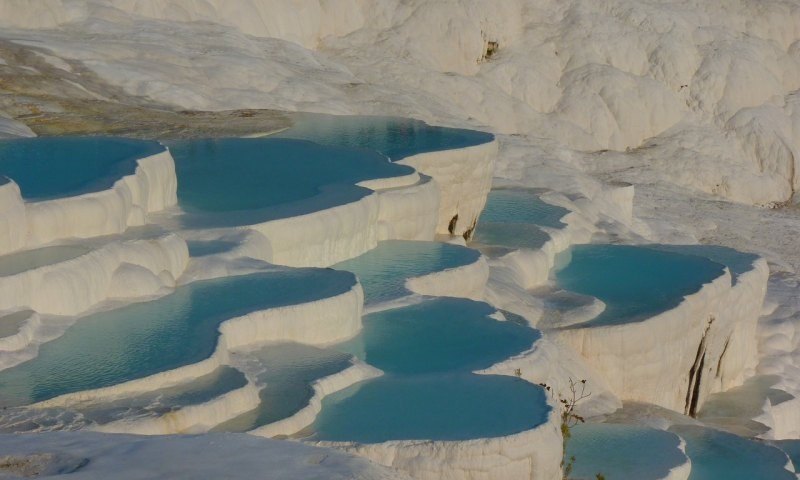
{"points": [[569, 418]]}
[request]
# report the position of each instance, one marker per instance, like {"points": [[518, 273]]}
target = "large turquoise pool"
{"points": [[142, 339], [427, 352], [238, 181], [53, 167], [384, 269], [395, 137], [634, 282]]}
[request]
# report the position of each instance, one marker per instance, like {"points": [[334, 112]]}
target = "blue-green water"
{"points": [[53, 167], [736, 261], [439, 335], [395, 137], [146, 338], [791, 448], [521, 206], [287, 371], [623, 451], [512, 217], [431, 407], [634, 282], [717, 455], [427, 352], [238, 181], [15, 263], [384, 269]]}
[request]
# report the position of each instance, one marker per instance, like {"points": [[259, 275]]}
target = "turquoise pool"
{"points": [[431, 407], [505, 205], [53, 167], [439, 335], [142, 339], [286, 372], [623, 451], [717, 455], [646, 281], [736, 261], [15, 263], [791, 448], [384, 269], [512, 218], [427, 352], [239, 181], [395, 137]]}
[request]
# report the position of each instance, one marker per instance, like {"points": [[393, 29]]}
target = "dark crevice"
{"points": [[695, 374], [721, 356], [696, 390], [452, 226]]}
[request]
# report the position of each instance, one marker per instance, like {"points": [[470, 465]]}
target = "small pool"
{"points": [[634, 282], [54, 167], [15, 263], [623, 451], [384, 270], [286, 372], [239, 181], [427, 352], [142, 339], [717, 455], [505, 205], [439, 335], [395, 137], [512, 218], [431, 407], [146, 405]]}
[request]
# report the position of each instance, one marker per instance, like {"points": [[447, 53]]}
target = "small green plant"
{"points": [[570, 418]]}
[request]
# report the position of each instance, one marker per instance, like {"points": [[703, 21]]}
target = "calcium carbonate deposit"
{"points": [[384, 239]]}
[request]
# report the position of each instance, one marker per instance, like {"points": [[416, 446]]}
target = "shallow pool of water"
{"points": [[439, 335], [286, 372], [142, 339], [433, 407], [717, 455], [623, 451], [15, 263], [521, 206], [53, 167], [238, 181], [384, 269], [634, 282], [395, 137], [512, 218]]}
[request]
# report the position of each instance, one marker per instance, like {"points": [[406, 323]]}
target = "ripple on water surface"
{"points": [[634, 282], [142, 339], [53, 167]]}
